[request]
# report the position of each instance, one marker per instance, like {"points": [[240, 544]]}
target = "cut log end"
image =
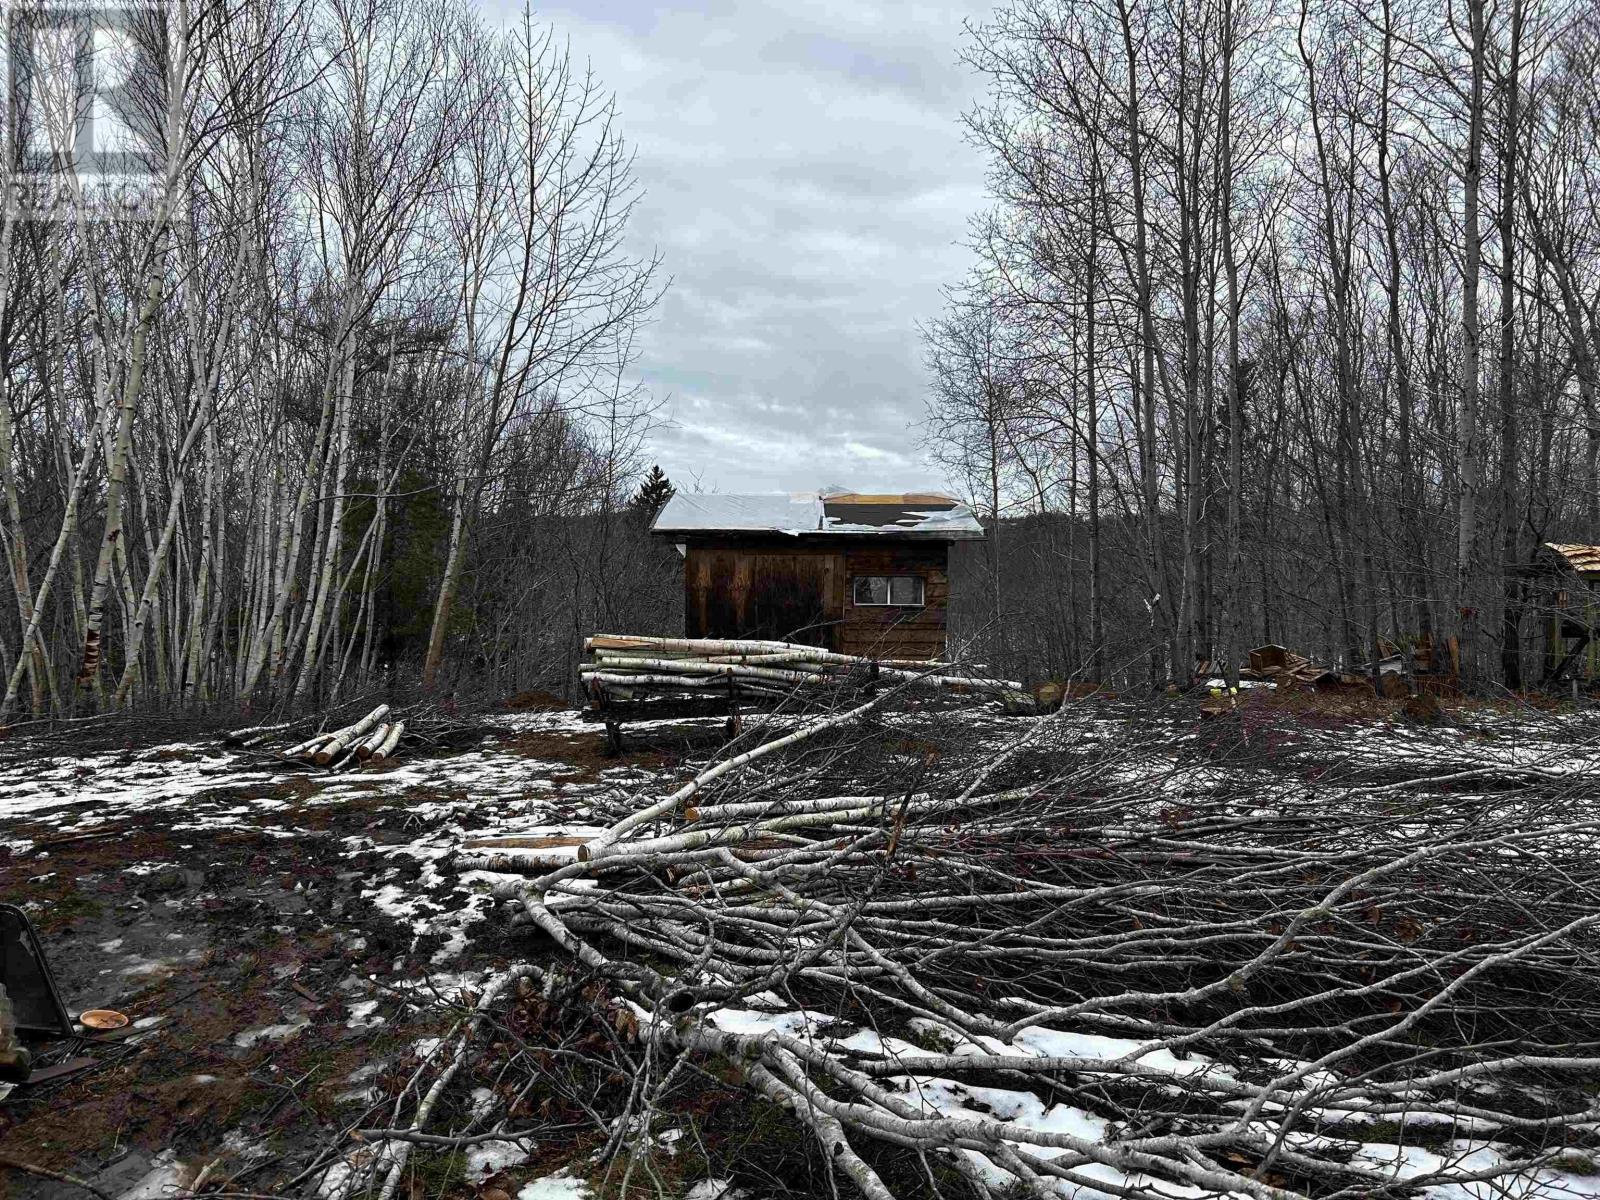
{"points": [[383, 749]]}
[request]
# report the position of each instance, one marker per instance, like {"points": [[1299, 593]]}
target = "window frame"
{"points": [[888, 581]]}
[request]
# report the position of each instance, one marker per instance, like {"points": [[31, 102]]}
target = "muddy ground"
{"points": [[291, 945], [284, 942]]}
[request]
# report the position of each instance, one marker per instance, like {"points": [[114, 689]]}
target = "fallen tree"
{"points": [[1217, 971]]}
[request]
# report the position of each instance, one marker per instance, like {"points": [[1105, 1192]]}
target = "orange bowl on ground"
{"points": [[102, 1018]]}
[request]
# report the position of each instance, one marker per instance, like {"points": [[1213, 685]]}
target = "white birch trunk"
{"points": [[335, 538], [116, 485]]}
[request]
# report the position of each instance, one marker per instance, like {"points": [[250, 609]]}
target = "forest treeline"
{"points": [[344, 403], [1283, 326]]}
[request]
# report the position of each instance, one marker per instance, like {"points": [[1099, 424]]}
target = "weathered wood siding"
{"points": [[801, 591], [897, 632], [785, 590]]}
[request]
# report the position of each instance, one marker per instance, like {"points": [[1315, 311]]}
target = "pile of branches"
{"points": [[625, 667], [1223, 972]]}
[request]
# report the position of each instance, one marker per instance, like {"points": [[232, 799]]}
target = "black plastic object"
{"points": [[25, 975]]}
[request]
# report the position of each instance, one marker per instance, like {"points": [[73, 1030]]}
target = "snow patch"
{"points": [[486, 1158], [164, 1179], [560, 1186], [272, 1033]]}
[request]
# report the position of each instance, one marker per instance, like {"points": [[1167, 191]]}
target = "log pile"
{"points": [[370, 739], [1229, 974], [622, 667]]}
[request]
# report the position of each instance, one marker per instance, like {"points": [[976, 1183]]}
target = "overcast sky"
{"points": [[808, 187]]}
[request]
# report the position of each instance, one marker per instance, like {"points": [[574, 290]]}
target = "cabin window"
{"points": [[902, 590]]}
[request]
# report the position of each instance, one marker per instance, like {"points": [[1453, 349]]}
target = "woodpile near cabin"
{"points": [[624, 667], [633, 676]]}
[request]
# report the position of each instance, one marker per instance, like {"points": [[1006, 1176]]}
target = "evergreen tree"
{"points": [[653, 493]]}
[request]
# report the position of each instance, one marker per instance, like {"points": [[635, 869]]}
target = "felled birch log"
{"points": [[617, 641], [343, 738], [522, 863], [371, 742], [783, 808], [386, 747], [307, 747], [253, 734], [721, 647], [720, 670]]}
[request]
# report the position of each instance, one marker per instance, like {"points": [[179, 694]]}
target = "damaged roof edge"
{"points": [[923, 515], [795, 513]]}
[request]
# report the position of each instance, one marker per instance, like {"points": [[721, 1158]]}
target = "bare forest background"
{"points": [[349, 408], [1284, 326]]}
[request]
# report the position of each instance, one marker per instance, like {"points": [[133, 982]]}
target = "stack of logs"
{"points": [[625, 668], [680, 675], [371, 739]]}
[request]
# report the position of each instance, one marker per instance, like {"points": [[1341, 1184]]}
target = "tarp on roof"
{"points": [[832, 511], [916, 512]]}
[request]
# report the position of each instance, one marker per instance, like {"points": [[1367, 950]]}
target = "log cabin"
{"points": [[865, 574]]}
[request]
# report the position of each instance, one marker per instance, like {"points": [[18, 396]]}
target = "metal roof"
{"points": [[925, 515], [1583, 559], [688, 513]]}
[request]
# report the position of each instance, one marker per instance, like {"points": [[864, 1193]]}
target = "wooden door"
{"points": [[786, 597]]}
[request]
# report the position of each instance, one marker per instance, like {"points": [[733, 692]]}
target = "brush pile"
{"points": [[1110, 959], [625, 668]]}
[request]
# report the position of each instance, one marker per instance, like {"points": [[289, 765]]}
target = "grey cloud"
{"points": [[807, 184]]}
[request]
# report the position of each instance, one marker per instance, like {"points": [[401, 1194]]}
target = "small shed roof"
{"points": [[1585, 560], [701, 513], [926, 515]]}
